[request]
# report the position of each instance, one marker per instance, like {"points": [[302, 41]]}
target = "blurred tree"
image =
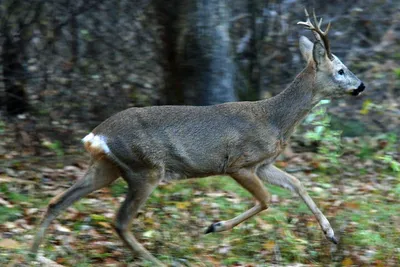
{"points": [[197, 47], [207, 67], [14, 73], [17, 20]]}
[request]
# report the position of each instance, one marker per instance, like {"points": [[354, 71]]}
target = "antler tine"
{"points": [[305, 11], [315, 17], [318, 33], [319, 23], [308, 24], [327, 28]]}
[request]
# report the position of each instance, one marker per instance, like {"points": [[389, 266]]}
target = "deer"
{"points": [[238, 139]]}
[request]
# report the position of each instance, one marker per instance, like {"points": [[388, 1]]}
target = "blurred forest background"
{"points": [[66, 65]]}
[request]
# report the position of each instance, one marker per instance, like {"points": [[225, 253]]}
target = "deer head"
{"points": [[332, 77]]}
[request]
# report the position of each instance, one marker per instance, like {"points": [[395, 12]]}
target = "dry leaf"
{"points": [[9, 244], [269, 245], [5, 203], [105, 224], [62, 229], [347, 262], [47, 262], [183, 205]]}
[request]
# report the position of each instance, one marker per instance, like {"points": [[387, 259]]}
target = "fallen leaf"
{"points": [[47, 262], [183, 205], [352, 205], [269, 245], [9, 244], [5, 203], [31, 211], [224, 249], [61, 229], [105, 224], [379, 263], [148, 234], [347, 262]]}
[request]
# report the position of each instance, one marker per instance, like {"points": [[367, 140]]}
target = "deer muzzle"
{"points": [[359, 89]]}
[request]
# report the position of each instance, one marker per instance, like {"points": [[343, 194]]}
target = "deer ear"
{"points": [[319, 53], [306, 48]]}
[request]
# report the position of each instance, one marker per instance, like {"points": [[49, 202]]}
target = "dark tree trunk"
{"points": [[16, 28], [254, 68], [14, 76], [168, 13]]}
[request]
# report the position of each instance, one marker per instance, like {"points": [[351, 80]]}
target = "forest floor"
{"points": [[359, 193]]}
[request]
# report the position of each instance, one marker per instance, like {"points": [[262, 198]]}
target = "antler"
{"points": [[318, 33]]}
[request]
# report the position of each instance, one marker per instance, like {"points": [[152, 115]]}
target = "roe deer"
{"points": [[242, 140]]}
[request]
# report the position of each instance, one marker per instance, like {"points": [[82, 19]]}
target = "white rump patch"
{"points": [[88, 138], [97, 142]]}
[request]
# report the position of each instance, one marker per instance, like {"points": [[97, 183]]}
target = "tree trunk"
{"points": [[168, 15], [14, 76], [197, 51], [207, 68]]}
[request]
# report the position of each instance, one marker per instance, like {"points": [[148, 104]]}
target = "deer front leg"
{"points": [[248, 180], [273, 175]]}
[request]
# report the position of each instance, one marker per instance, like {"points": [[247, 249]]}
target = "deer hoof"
{"points": [[333, 239], [330, 235], [215, 227], [210, 229]]}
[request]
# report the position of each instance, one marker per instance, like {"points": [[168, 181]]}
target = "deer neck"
{"points": [[287, 109]]}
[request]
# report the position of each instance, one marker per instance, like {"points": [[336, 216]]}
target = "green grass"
{"points": [[119, 187], [14, 212], [9, 214]]}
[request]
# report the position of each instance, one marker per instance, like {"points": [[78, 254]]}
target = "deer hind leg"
{"points": [[248, 180], [100, 174], [273, 175], [140, 187]]}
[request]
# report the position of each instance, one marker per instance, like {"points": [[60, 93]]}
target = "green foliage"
{"points": [[13, 196], [119, 188], [397, 190], [9, 214], [55, 146], [330, 145], [366, 151], [98, 217], [391, 162], [386, 155], [397, 72], [368, 106]]}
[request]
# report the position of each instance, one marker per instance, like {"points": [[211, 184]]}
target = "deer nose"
{"points": [[359, 89]]}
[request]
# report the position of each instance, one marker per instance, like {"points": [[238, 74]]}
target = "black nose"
{"points": [[359, 89]]}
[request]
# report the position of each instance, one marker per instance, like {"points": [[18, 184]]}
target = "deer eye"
{"points": [[341, 71]]}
